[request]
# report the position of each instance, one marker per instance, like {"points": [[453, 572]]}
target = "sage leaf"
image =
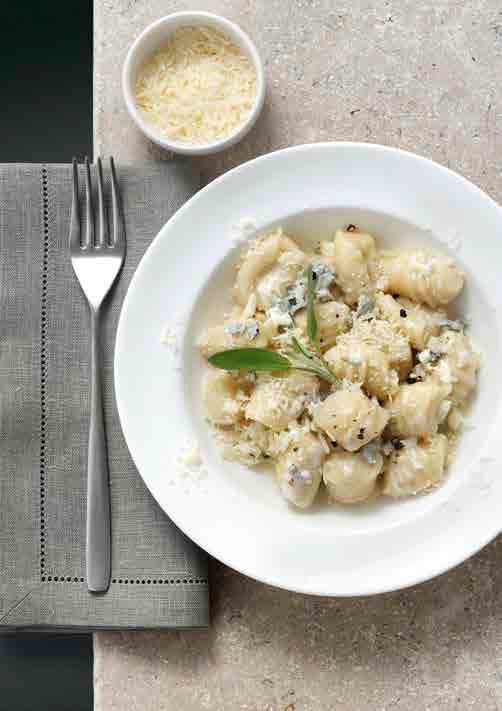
{"points": [[301, 349], [259, 359], [311, 317]]}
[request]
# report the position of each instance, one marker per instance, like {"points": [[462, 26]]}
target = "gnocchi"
{"points": [[350, 418], [220, 398], [425, 277], [417, 322], [416, 466], [333, 319], [417, 411], [299, 472], [351, 478], [350, 256], [374, 395], [236, 333], [365, 364], [275, 402]]}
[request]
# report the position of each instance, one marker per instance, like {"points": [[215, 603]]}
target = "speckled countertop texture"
{"points": [[421, 75]]}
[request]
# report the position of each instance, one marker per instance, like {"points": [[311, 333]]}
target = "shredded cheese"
{"points": [[198, 88], [190, 457]]}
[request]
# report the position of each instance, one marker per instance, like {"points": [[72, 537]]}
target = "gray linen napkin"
{"points": [[159, 577]]}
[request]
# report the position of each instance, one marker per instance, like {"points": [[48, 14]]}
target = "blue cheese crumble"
{"points": [[298, 476], [370, 451], [457, 325], [365, 306], [323, 278], [297, 295], [296, 298], [251, 329]]}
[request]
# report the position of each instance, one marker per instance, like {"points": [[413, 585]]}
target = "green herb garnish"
{"points": [[298, 357], [263, 360], [250, 359], [311, 317]]}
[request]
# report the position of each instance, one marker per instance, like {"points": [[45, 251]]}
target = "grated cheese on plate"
{"points": [[189, 467], [170, 335], [241, 231], [190, 457], [198, 88]]}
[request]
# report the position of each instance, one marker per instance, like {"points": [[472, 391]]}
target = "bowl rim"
{"points": [[230, 29], [434, 567]]}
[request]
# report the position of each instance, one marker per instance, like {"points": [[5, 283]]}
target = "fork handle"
{"points": [[98, 537]]}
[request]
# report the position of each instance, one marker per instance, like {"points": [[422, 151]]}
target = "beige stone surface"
{"points": [[425, 76]]}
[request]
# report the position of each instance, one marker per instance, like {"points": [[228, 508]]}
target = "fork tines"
{"points": [[100, 238]]}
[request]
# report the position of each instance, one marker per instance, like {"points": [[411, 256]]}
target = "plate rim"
{"points": [[432, 571]]}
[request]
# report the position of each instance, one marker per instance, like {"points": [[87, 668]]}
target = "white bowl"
{"points": [[151, 39], [237, 514]]}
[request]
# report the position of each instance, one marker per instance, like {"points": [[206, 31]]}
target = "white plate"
{"points": [[236, 514]]}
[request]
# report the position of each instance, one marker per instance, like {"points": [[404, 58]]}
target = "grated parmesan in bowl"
{"points": [[193, 82]]}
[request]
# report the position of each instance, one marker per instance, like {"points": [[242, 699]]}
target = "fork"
{"points": [[96, 260]]}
